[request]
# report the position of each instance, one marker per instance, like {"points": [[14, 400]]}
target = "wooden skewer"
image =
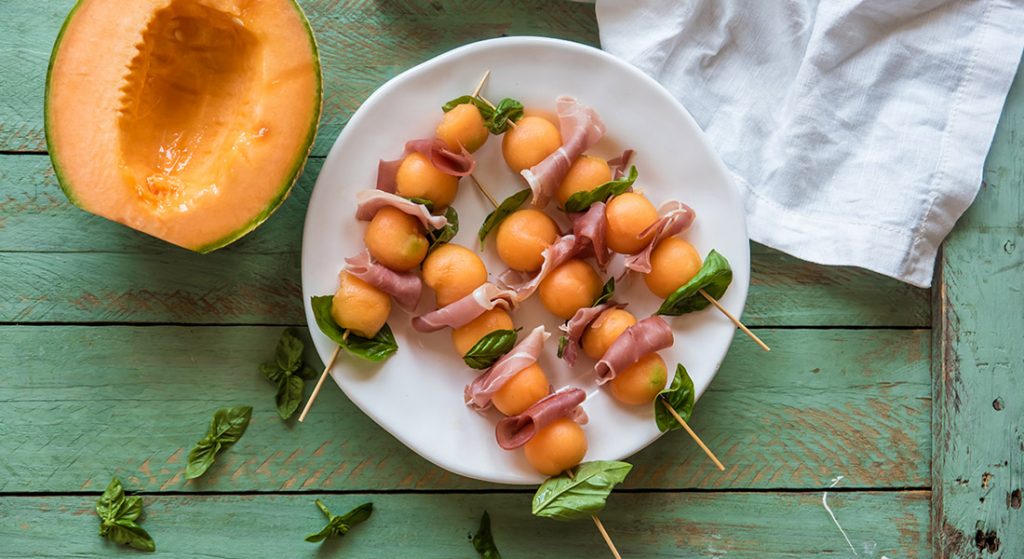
{"points": [[476, 93], [693, 435], [735, 320], [607, 538], [320, 382], [483, 191]]}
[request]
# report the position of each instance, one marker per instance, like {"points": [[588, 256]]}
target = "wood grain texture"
{"points": [[733, 525], [82, 403], [979, 413]]}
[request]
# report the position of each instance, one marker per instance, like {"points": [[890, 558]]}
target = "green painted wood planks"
{"points": [[649, 525], [979, 377], [82, 403]]}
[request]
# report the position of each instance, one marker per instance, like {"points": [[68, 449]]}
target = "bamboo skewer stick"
{"points": [[476, 93], [735, 320], [320, 381], [607, 538], [693, 435], [484, 191]]}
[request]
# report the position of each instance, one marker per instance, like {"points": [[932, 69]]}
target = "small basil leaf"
{"points": [[423, 202], [358, 515], [490, 348], [227, 426], [132, 508], [322, 313], [580, 201], [109, 504], [201, 457], [584, 493], [505, 113], [504, 209], [271, 371], [680, 395], [118, 515], [289, 351], [307, 372], [607, 292], [438, 237], [714, 278], [289, 395], [340, 525], [485, 110], [378, 348], [126, 532], [562, 343], [483, 539]]}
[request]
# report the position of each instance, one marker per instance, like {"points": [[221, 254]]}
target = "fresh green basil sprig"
{"points": [[580, 201], [581, 494], [483, 539], [227, 426], [438, 237], [340, 525], [680, 395], [490, 348], [377, 348], [714, 278], [497, 119], [288, 372], [119, 517], [504, 209], [607, 292]]}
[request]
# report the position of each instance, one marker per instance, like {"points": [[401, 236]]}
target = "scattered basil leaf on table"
{"points": [[506, 112], [580, 201], [119, 515], [562, 343], [504, 209], [565, 497], [438, 237], [378, 348], [227, 426], [714, 277], [423, 202], [483, 539], [680, 395], [490, 348], [607, 292], [289, 373], [340, 525]]}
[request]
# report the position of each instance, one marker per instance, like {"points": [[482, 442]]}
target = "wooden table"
{"points": [[116, 348]]}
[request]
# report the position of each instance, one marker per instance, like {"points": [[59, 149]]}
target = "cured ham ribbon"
{"points": [[447, 161], [647, 336], [466, 309], [592, 226], [577, 325], [478, 393], [564, 249], [581, 128], [405, 288], [369, 202], [676, 217], [514, 432]]}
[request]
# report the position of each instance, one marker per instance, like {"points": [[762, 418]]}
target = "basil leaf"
{"points": [[490, 348], [680, 395], [132, 508], [562, 343], [568, 498], [289, 351], [289, 395], [109, 505], [580, 201], [340, 525], [271, 371], [438, 237], [714, 277], [607, 292], [118, 515], [483, 540], [378, 348], [505, 113], [126, 532], [423, 202], [504, 209], [307, 372], [485, 110], [227, 426]]}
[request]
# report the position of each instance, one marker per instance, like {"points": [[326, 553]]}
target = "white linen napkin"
{"points": [[857, 128]]}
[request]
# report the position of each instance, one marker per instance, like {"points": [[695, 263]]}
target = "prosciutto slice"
{"points": [[466, 309], [478, 393], [369, 202], [676, 217], [592, 226], [619, 164], [563, 250], [647, 336], [405, 288], [581, 128], [514, 432], [577, 325], [447, 161]]}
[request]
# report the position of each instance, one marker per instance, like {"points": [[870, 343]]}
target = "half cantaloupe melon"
{"points": [[189, 120]]}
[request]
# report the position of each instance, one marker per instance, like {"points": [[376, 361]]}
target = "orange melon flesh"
{"points": [[189, 120]]}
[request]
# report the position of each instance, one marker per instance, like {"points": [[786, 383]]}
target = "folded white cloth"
{"points": [[857, 128]]}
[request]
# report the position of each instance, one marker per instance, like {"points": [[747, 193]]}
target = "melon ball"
{"points": [[359, 307], [463, 126], [557, 447], [628, 214], [673, 263], [529, 142], [640, 382], [523, 236], [545, 114], [465, 337], [453, 271], [418, 178], [604, 330], [585, 174], [569, 288], [522, 390], [396, 239]]}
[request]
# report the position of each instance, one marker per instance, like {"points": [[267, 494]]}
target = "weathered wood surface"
{"points": [[651, 525], [80, 403], [979, 364]]}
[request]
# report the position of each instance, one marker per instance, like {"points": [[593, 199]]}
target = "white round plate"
{"points": [[416, 395]]}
